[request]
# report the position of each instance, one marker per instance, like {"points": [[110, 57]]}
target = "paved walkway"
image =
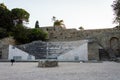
{"points": [[65, 71]]}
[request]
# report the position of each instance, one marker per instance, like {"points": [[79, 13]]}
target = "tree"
{"points": [[37, 24], [116, 8], [3, 6], [37, 34], [5, 18], [19, 15], [3, 33], [23, 35], [20, 34], [81, 28], [58, 23]]}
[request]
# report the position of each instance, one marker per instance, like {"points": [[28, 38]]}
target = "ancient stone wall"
{"points": [[103, 36], [4, 46], [101, 39], [4, 50], [72, 34], [8, 40]]}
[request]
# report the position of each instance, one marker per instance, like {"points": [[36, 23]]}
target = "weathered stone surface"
{"points": [[8, 40], [47, 63], [104, 38], [98, 39], [4, 49]]}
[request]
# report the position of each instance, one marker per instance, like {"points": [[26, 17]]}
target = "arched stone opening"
{"points": [[114, 45]]}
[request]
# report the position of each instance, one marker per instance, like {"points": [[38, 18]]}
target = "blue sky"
{"points": [[90, 14]]}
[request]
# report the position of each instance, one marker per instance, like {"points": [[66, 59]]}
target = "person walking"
{"points": [[12, 61]]}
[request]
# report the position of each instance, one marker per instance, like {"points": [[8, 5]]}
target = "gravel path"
{"points": [[65, 71]]}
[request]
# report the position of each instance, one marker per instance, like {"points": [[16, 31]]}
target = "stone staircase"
{"points": [[40, 49], [36, 48], [58, 48]]}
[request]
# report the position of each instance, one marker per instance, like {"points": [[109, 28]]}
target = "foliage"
{"points": [[58, 22], [20, 34], [20, 15], [116, 8], [24, 35], [3, 6], [81, 28], [37, 34], [5, 18], [37, 24], [3, 33], [117, 27]]}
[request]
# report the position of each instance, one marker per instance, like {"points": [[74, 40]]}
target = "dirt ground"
{"points": [[65, 71]]}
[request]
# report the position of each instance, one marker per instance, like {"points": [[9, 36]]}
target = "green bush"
{"points": [[24, 35]]}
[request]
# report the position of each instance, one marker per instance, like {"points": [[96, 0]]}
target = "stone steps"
{"points": [[40, 49]]}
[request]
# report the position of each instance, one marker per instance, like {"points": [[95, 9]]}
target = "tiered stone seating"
{"points": [[36, 48], [40, 49]]}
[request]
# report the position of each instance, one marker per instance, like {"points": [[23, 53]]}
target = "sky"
{"points": [[90, 14]]}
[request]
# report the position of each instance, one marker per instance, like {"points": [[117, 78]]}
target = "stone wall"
{"points": [[101, 39], [8, 40], [73, 34], [93, 51], [4, 48]]}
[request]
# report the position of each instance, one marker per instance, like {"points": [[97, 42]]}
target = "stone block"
{"points": [[47, 63]]}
